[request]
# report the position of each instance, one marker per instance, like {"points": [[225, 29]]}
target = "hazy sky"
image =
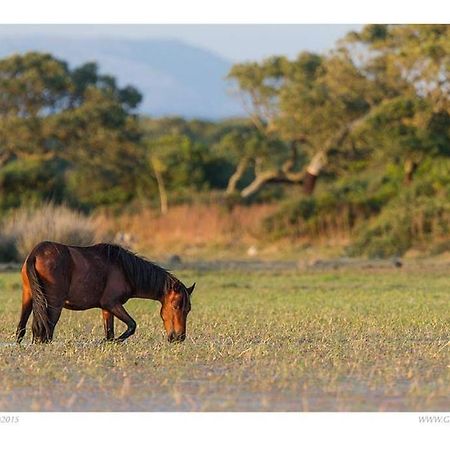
{"points": [[234, 42]]}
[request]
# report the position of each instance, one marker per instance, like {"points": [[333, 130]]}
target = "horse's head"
{"points": [[175, 308]]}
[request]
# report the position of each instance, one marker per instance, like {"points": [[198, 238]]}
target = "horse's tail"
{"points": [[40, 326]]}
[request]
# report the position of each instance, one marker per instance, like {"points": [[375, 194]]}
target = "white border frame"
{"points": [[223, 11]]}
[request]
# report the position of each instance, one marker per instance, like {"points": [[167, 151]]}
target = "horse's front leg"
{"points": [[108, 324], [119, 311]]}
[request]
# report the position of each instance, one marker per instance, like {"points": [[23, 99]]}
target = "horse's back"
{"points": [[47, 247]]}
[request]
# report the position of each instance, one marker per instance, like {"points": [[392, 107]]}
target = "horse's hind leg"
{"points": [[27, 306], [54, 312], [108, 324], [55, 295]]}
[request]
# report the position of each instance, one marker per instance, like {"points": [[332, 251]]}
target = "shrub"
{"points": [[8, 250], [407, 221], [329, 212], [418, 216], [31, 180], [25, 227]]}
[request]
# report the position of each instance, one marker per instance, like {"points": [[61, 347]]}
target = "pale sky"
{"points": [[233, 42]]}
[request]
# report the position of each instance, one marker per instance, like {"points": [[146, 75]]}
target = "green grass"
{"points": [[373, 340]]}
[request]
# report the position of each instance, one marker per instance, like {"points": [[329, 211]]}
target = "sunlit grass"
{"points": [[338, 340]]}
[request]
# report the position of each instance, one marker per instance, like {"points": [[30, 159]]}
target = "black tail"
{"points": [[40, 327]]}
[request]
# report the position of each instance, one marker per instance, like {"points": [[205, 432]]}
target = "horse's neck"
{"points": [[149, 294], [152, 292]]}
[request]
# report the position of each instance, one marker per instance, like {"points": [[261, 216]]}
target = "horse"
{"points": [[106, 276]]}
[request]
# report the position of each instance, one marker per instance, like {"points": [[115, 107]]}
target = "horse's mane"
{"points": [[142, 274]]}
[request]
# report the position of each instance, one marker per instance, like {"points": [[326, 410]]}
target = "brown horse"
{"points": [[57, 276]]}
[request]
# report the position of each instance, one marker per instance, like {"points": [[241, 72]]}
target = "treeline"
{"points": [[355, 141]]}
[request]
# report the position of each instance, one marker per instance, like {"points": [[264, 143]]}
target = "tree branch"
{"points": [[259, 182], [4, 157], [307, 176], [283, 175], [237, 175]]}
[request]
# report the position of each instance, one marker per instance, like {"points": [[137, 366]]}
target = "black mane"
{"points": [[142, 274]]}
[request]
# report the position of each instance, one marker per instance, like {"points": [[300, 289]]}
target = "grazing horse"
{"points": [[57, 276]]}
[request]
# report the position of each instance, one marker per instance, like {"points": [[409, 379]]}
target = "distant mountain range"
{"points": [[175, 78]]}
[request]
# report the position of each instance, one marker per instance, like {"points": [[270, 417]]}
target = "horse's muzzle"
{"points": [[176, 337]]}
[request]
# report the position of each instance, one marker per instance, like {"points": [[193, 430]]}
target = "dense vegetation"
{"points": [[355, 141]]}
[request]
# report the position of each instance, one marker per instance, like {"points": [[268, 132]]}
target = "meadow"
{"points": [[281, 339]]}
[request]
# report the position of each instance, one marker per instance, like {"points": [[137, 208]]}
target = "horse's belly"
{"points": [[77, 306], [83, 296]]}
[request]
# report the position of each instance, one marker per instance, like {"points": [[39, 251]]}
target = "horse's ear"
{"points": [[191, 289]]}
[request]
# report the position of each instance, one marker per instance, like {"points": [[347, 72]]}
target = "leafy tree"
{"points": [[78, 116], [178, 164], [311, 104], [321, 107], [415, 54], [412, 63]]}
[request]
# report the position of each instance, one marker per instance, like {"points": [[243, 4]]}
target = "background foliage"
{"points": [[354, 142]]}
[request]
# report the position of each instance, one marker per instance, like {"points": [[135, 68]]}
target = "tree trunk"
{"points": [[162, 191], [237, 175], [312, 172], [4, 157], [309, 183], [258, 183], [307, 178], [410, 167]]}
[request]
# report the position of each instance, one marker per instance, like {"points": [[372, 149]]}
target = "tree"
{"points": [[50, 112], [320, 107], [416, 54], [32, 87], [310, 104], [178, 163], [412, 63]]}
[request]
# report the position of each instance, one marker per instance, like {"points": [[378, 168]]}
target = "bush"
{"points": [[419, 216], [26, 227], [8, 250], [31, 180], [335, 210], [407, 221]]}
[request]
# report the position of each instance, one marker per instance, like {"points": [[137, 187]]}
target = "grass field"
{"points": [[288, 340]]}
